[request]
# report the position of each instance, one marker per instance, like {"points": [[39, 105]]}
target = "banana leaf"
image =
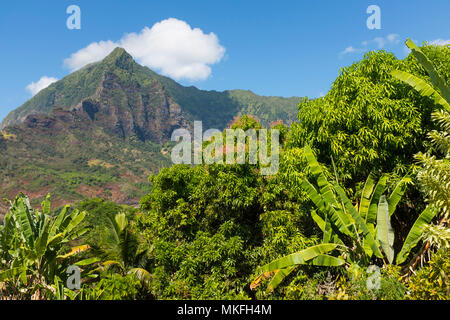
{"points": [[385, 233], [373, 244], [415, 233], [279, 277], [422, 87], [46, 205], [397, 194], [76, 218], [373, 208], [56, 226], [366, 196], [74, 251], [298, 258], [436, 79], [24, 220], [336, 216]]}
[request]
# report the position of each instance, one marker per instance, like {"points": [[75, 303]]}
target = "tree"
{"points": [[118, 248], [202, 223], [369, 121]]}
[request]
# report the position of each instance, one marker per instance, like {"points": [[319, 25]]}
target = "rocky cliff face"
{"points": [[128, 107], [128, 110]]}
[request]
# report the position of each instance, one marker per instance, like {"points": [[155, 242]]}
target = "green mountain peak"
{"points": [[120, 58]]}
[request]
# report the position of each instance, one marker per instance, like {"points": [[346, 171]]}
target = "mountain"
{"points": [[102, 130], [131, 99]]}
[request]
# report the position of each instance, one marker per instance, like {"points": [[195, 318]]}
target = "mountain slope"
{"points": [[66, 154]]}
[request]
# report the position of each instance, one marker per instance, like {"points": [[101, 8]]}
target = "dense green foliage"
{"points": [[431, 281], [357, 210], [203, 226]]}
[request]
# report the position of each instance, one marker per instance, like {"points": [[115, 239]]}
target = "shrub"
{"points": [[430, 282]]}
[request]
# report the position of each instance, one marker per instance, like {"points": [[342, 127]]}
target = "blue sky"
{"points": [[282, 48]]}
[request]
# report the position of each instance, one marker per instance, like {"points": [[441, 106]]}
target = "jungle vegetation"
{"points": [[359, 208]]}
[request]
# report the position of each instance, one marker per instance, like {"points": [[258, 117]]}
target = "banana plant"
{"points": [[384, 211], [32, 241], [415, 234], [440, 93], [343, 223], [351, 230]]}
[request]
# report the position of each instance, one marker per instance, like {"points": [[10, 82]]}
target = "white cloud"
{"points": [[44, 82], [440, 42], [381, 42], [376, 43], [349, 50], [393, 38], [170, 46]]}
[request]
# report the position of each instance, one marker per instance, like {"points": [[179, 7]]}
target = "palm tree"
{"points": [[118, 248]]}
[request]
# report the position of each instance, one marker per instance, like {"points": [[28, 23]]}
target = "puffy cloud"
{"points": [[44, 82], [380, 42], [170, 46], [440, 42]]}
